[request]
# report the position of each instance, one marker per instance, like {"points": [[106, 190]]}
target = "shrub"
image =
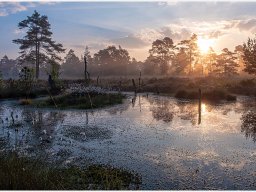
{"points": [[231, 97], [182, 94], [214, 95]]}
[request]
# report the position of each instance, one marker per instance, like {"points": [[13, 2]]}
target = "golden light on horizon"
{"points": [[204, 44]]}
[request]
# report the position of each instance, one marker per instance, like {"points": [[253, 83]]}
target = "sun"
{"points": [[204, 44]]}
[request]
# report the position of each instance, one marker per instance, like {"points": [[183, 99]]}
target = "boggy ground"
{"points": [[212, 89]]}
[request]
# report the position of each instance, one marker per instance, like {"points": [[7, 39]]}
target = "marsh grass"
{"points": [[87, 101], [20, 173], [211, 95]]}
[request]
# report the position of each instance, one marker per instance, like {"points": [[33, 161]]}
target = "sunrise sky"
{"points": [[133, 25]]}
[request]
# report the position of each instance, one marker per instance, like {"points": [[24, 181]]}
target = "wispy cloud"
{"points": [[7, 8], [11, 8], [130, 41]]}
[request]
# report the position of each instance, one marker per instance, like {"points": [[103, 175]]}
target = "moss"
{"points": [[20, 173]]}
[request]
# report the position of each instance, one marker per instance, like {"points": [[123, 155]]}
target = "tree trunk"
{"points": [[37, 60], [85, 69]]}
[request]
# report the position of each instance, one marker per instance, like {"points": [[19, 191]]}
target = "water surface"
{"points": [[161, 138]]}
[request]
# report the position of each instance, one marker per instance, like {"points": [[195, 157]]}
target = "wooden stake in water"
{"points": [[98, 80], [140, 80], [134, 85], [199, 106], [120, 85]]}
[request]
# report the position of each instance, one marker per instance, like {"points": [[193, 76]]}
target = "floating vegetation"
{"points": [[248, 126], [86, 133], [157, 137]]}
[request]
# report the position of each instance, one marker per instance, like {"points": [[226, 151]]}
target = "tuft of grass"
{"points": [[20, 173]]}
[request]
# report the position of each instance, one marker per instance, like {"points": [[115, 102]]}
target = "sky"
{"points": [[132, 25]]}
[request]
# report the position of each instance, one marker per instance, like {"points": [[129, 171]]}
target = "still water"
{"points": [[161, 138]]}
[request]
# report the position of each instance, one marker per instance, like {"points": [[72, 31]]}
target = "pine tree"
{"points": [[162, 52], [37, 45], [249, 56], [191, 49], [226, 64]]}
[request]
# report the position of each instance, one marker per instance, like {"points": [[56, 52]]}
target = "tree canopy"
{"points": [[249, 49], [162, 52]]}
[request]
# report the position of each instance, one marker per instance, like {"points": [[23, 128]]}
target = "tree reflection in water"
{"points": [[43, 124], [248, 126], [188, 111], [162, 110]]}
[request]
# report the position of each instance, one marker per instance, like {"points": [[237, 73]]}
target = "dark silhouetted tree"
{"points": [[112, 60], [87, 61], [210, 60], [162, 51], [54, 70], [72, 66], [37, 45], [249, 49], [240, 58], [181, 63], [27, 78], [226, 64], [191, 48], [150, 66], [9, 68]]}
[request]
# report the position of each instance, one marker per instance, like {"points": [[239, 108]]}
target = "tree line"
{"points": [[38, 50]]}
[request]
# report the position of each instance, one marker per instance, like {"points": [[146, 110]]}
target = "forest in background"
{"points": [[39, 52]]}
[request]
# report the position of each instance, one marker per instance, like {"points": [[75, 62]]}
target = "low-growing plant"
{"points": [[21, 173]]}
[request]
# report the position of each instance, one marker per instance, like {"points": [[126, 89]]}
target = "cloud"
{"points": [[7, 8], [148, 35], [175, 35], [130, 41], [246, 25], [216, 34], [11, 8]]}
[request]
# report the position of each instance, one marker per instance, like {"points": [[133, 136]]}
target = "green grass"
{"points": [[20, 173], [90, 101]]}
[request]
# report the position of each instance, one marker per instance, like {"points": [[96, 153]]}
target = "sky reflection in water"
{"points": [[158, 137]]}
